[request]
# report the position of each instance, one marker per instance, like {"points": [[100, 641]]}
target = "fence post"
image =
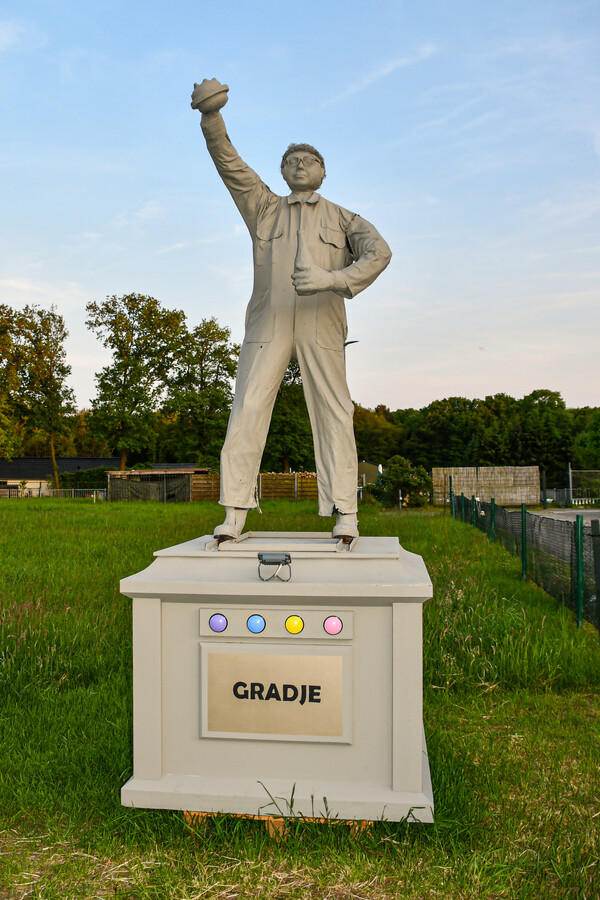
{"points": [[452, 510], [579, 568], [295, 486], [544, 491], [596, 554], [473, 511], [523, 541], [462, 507], [492, 520]]}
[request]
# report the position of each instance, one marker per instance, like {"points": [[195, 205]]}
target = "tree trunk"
{"points": [[123, 465], [54, 466]]}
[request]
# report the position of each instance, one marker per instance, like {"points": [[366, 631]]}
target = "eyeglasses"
{"points": [[305, 160]]}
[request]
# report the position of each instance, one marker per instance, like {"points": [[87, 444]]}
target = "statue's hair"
{"points": [[293, 148]]}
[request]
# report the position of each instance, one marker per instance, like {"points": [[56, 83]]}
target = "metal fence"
{"points": [[167, 487], [14, 493], [562, 557], [79, 493]]}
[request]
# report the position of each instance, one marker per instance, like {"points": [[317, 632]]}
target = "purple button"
{"points": [[217, 622], [333, 625]]}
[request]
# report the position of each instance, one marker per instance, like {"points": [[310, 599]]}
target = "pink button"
{"points": [[333, 625]]}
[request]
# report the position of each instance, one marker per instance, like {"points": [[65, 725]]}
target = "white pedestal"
{"points": [[279, 723]]}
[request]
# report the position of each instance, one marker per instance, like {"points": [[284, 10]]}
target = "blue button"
{"points": [[217, 622], [256, 624]]}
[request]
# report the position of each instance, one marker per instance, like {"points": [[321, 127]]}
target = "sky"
{"points": [[468, 133]]}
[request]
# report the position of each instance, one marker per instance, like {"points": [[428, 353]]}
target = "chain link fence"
{"points": [[563, 557], [167, 487], [78, 493]]}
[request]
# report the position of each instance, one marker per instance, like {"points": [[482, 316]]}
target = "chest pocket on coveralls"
{"points": [[332, 328]]}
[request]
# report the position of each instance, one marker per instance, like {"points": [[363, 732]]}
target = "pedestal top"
{"points": [[306, 543], [320, 567]]}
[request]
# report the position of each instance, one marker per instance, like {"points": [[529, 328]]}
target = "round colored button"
{"points": [[294, 624], [333, 625], [256, 624], [217, 622]]}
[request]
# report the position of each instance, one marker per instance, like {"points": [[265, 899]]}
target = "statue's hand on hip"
{"points": [[312, 279]]}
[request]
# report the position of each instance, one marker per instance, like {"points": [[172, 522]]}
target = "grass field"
{"points": [[511, 714]]}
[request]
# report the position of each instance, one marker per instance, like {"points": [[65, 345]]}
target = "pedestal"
{"points": [[300, 697]]}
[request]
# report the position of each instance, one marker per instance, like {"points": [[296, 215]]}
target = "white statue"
{"points": [[308, 255]]}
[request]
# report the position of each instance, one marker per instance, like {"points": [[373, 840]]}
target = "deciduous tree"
{"points": [[289, 442], [45, 399], [10, 438], [199, 394], [402, 479], [144, 339]]}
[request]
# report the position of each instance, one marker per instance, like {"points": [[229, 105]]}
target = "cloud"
{"points": [[18, 290], [10, 34], [566, 211], [151, 211], [380, 73], [14, 35], [181, 246]]}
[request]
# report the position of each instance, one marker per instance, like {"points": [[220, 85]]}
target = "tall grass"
{"points": [[511, 715]]}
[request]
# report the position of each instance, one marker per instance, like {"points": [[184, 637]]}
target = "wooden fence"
{"points": [[270, 486]]}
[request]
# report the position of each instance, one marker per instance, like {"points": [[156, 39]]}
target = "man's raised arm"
{"points": [[249, 192]]}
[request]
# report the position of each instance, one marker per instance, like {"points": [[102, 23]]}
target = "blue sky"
{"points": [[467, 132]]}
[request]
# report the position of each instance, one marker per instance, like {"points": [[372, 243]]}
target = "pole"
{"points": [[493, 520], [596, 554], [523, 541], [452, 509], [570, 495], [462, 507], [473, 511], [579, 569], [544, 492]]}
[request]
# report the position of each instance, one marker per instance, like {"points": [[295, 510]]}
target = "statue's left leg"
{"points": [[331, 412]]}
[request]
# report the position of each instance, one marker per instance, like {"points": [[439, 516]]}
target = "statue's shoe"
{"points": [[231, 528], [346, 526]]}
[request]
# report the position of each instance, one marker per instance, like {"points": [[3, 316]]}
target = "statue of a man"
{"points": [[309, 254]]}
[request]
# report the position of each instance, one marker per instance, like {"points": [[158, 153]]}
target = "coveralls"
{"points": [[281, 325]]}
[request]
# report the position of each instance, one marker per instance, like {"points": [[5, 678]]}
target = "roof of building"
{"points": [[180, 469], [39, 468]]}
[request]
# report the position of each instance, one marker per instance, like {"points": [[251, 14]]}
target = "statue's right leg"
{"points": [[260, 370]]}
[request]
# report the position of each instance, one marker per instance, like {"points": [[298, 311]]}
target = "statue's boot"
{"points": [[346, 526], [231, 528]]}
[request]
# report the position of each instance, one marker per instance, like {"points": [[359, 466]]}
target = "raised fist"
{"points": [[209, 96]]}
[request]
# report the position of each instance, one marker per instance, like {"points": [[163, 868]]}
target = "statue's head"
{"points": [[302, 167]]}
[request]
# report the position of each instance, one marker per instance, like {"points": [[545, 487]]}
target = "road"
{"points": [[570, 515]]}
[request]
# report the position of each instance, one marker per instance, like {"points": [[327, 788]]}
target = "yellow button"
{"points": [[294, 624]]}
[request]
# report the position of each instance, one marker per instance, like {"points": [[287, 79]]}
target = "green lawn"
{"points": [[511, 714]]}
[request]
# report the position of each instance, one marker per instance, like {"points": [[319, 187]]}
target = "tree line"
{"points": [[166, 393]]}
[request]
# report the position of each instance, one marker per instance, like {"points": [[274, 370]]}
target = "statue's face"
{"points": [[302, 171]]}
